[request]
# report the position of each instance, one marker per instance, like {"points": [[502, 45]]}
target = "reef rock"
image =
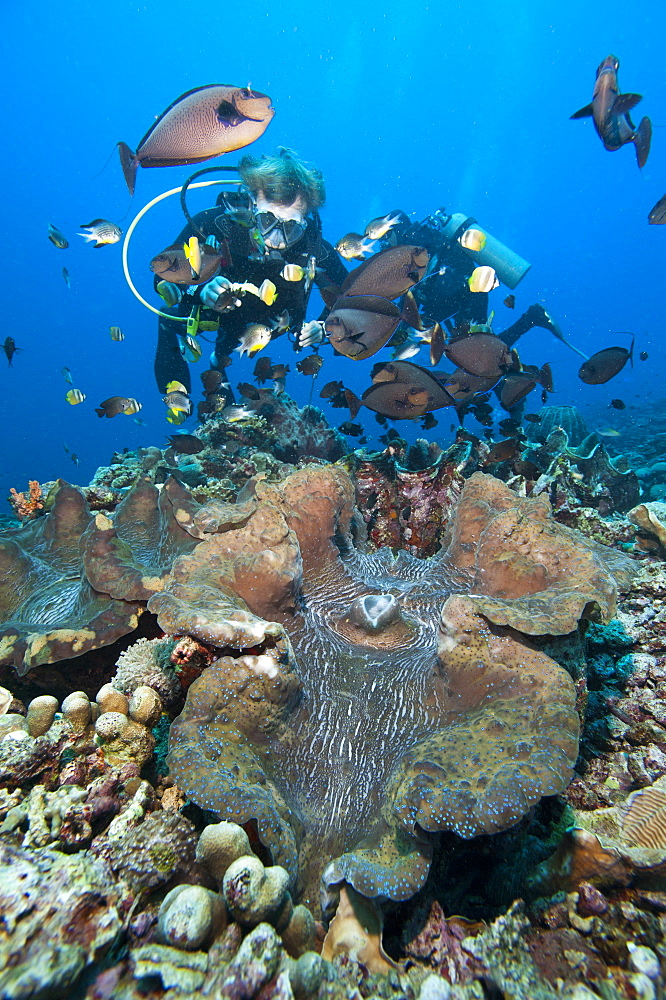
{"points": [[363, 699]]}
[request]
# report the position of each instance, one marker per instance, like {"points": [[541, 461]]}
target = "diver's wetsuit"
{"points": [[243, 263]]}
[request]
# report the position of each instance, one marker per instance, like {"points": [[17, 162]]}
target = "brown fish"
{"points": [[114, 405], [437, 344], [610, 109], [390, 273], [657, 214], [200, 124], [503, 451], [413, 392], [359, 325], [173, 265], [510, 301], [605, 364], [278, 371], [461, 385], [480, 354], [517, 385], [186, 444], [310, 365], [352, 430], [262, 369], [249, 391], [331, 389], [212, 380]]}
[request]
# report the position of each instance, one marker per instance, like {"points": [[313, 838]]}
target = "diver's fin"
{"points": [[585, 112], [642, 139], [625, 102], [128, 162]]}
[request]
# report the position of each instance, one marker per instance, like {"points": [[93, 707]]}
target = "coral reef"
{"points": [[299, 742]]}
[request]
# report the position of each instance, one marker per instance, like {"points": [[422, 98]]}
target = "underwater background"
{"points": [[406, 106]]}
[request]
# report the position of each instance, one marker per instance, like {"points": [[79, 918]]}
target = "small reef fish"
{"points": [[331, 389], [618, 404], [169, 292], [353, 246], [267, 292], [429, 421], [114, 405], [101, 231], [67, 375], [192, 251], [183, 444], [473, 239], [234, 413], [74, 396], [249, 391], [657, 215], [177, 398], [293, 272], [281, 323], [262, 369], [256, 337], [57, 238], [378, 228], [510, 301], [405, 351], [65, 276], [483, 279], [608, 432], [75, 458], [279, 371], [605, 364], [212, 380], [350, 429], [190, 348], [643, 356], [610, 109], [200, 124], [10, 349], [503, 451], [140, 422], [116, 334], [310, 365]]}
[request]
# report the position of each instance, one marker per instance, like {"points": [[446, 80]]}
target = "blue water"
{"points": [[461, 105]]}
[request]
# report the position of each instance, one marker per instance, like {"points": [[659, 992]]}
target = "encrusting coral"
{"points": [[356, 711]]}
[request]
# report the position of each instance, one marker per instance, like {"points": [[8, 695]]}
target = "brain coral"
{"points": [[361, 701], [71, 582]]}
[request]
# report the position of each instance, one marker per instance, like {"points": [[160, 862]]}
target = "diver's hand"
{"points": [[211, 291], [311, 334]]}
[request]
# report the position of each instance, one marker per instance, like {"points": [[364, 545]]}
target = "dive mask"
{"points": [[278, 234]]}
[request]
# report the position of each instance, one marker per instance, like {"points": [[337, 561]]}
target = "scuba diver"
{"points": [[444, 294], [270, 229]]}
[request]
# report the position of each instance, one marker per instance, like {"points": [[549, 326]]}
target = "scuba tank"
{"points": [[509, 266]]}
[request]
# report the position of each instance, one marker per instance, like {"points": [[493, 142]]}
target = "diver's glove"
{"points": [[311, 334], [216, 294]]}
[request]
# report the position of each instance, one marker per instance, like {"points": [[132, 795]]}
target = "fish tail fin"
{"points": [[99, 411], [631, 350], [88, 236], [129, 163], [585, 112], [353, 402], [642, 139]]}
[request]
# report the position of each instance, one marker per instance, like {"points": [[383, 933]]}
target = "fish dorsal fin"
{"points": [[585, 112], [625, 102]]}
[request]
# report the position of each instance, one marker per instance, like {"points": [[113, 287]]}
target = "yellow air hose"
{"points": [[128, 236]]}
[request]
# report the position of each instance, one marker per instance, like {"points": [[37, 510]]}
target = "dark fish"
{"points": [[186, 444], [390, 273], [279, 371], [211, 380], [10, 349], [481, 354], [200, 124], [65, 275], [428, 422], [114, 405], [503, 451], [413, 392], [359, 325], [510, 301], [249, 391], [310, 365], [657, 215], [644, 355], [172, 265], [331, 389], [517, 385], [463, 386], [75, 458], [523, 467], [534, 418], [610, 112], [509, 426], [605, 365], [352, 430], [437, 344], [57, 238], [618, 404], [410, 311], [262, 369]]}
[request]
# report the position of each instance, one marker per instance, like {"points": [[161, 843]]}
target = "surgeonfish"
{"points": [[116, 334], [353, 246], [482, 354], [172, 265], [605, 364], [57, 238], [359, 325], [657, 216], [408, 391], [378, 228], [102, 232], [114, 405], [610, 109], [389, 274], [74, 396], [473, 239], [483, 279], [255, 338], [200, 124]]}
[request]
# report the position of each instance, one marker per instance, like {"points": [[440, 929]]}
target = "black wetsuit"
{"points": [[242, 262]]}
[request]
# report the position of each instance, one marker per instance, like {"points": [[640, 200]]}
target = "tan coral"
{"points": [[356, 931], [41, 713], [219, 845], [254, 893], [650, 517]]}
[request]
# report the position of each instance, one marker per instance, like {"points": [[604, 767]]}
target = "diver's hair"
{"points": [[283, 178]]}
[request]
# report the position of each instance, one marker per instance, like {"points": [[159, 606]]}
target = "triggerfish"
{"points": [[200, 124], [610, 112]]}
